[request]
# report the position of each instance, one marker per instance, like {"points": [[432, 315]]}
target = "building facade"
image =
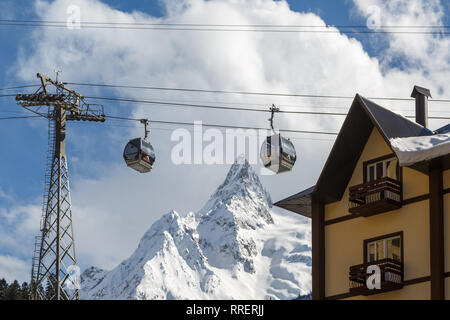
{"points": [[380, 227]]}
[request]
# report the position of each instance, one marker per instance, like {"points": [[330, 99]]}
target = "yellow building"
{"points": [[380, 225]]}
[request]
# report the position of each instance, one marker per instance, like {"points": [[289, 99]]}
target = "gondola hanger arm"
{"points": [[273, 109], [145, 123]]}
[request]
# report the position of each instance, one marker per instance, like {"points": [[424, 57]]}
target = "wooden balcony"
{"points": [[391, 277], [375, 197]]}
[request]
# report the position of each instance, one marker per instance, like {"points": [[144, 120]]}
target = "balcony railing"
{"points": [[391, 277], [374, 197]]}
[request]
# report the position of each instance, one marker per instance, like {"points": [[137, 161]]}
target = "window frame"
{"points": [[383, 237], [367, 163]]}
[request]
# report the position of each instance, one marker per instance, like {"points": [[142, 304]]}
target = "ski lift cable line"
{"points": [[308, 107], [20, 87], [218, 107], [19, 117], [186, 123], [220, 125], [171, 130], [261, 104], [228, 92], [203, 124], [229, 108], [228, 25], [14, 111], [217, 29], [244, 92], [206, 91], [159, 102]]}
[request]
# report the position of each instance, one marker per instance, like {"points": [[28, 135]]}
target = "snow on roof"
{"points": [[411, 150]]}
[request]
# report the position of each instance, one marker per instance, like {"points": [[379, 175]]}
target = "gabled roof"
{"points": [[362, 117]]}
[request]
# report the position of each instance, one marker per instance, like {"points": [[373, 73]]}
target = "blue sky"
{"points": [[25, 182], [22, 139], [375, 65]]}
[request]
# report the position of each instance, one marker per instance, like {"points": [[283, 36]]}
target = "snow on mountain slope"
{"points": [[233, 248]]}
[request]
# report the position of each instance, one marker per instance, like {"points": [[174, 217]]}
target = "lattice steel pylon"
{"points": [[55, 274]]}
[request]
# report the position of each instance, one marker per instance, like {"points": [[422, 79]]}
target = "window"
{"points": [[385, 247], [375, 170]]}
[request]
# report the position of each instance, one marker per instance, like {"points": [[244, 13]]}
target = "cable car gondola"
{"points": [[139, 153], [277, 153]]}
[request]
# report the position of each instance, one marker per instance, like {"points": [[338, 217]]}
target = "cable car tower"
{"points": [[54, 272]]}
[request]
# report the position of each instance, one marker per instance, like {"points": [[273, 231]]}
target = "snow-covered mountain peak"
{"points": [[240, 178], [242, 195], [240, 170], [232, 248]]}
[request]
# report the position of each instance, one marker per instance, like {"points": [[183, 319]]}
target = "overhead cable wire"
{"points": [[189, 123], [206, 124], [222, 125], [301, 95], [219, 29], [244, 92], [19, 117], [217, 107], [20, 87], [226, 25], [157, 102], [171, 130]]}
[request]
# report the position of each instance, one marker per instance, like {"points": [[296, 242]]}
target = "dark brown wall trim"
{"points": [[404, 203], [416, 280], [318, 250], [437, 258], [340, 219], [405, 283], [416, 199], [341, 296]]}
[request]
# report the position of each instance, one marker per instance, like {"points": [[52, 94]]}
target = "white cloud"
{"points": [[18, 226], [113, 210], [420, 53], [12, 269]]}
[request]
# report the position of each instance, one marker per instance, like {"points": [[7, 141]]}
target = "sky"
{"points": [[113, 206]]}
